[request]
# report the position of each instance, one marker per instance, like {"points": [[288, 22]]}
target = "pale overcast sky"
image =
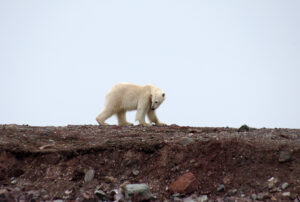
{"points": [[221, 63]]}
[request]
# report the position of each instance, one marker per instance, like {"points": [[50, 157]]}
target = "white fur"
{"points": [[127, 97]]}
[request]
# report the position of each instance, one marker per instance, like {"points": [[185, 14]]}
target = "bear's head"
{"points": [[157, 97]]}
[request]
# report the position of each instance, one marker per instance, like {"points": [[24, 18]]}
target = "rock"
{"points": [[253, 196], [232, 192], [175, 195], [184, 141], [176, 199], [89, 175], [285, 156], [260, 196], [137, 192], [272, 182], [275, 189], [263, 196], [284, 185], [135, 172], [68, 192], [189, 199], [184, 184], [286, 194], [221, 188], [118, 196], [192, 198], [237, 199], [13, 181], [100, 194], [219, 200], [202, 198]]}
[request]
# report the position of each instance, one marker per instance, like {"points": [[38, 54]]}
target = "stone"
{"points": [[286, 194], [13, 181], [253, 196], [263, 196], [100, 194], [184, 184], [184, 141], [189, 199], [284, 185], [285, 156], [137, 192], [175, 195], [135, 172], [202, 198], [68, 192], [232, 192], [118, 196], [219, 200], [237, 199], [272, 182], [176, 199], [275, 189], [89, 175], [221, 188]]}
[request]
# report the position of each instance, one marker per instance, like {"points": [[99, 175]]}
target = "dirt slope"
{"points": [[70, 163]]}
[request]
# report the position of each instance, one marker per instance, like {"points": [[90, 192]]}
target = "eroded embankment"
{"points": [[72, 162]]}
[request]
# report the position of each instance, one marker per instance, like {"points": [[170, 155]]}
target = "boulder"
{"points": [[185, 184]]}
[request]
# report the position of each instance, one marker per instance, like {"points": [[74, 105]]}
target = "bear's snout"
{"points": [[152, 108]]}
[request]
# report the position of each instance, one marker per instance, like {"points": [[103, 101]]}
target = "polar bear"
{"points": [[127, 97]]}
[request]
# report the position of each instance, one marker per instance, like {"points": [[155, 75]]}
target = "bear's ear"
{"points": [[163, 94]]}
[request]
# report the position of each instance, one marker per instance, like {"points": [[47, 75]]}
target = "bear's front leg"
{"points": [[153, 118], [141, 113]]}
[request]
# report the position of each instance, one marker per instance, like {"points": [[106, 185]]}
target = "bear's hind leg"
{"points": [[122, 119], [105, 114]]}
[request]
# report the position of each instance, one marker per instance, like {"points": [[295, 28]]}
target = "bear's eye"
{"points": [[156, 102]]}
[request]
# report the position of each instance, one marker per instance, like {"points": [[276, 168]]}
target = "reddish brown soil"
{"points": [[50, 162]]}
